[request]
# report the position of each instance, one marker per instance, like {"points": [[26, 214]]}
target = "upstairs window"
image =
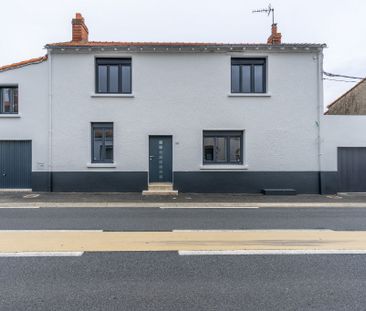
{"points": [[222, 147], [248, 75], [102, 142], [113, 75], [8, 100]]}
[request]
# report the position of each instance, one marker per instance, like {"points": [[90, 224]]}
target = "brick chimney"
{"points": [[79, 30], [275, 37]]}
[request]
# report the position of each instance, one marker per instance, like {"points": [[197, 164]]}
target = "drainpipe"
{"points": [[320, 113], [50, 139]]}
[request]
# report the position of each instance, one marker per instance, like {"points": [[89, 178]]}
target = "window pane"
{"points": [[245, 79], [235, 79], [208, 146], [222, 147], [6, 100], [258, 79], [221, 150], [113, 79], [126, 79], [109, 144], [235, 152], [102, 79], [15, 100], [98, 144]]}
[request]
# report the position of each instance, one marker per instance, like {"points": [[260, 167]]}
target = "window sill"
{"points": [[249, 95], [214, 167], [101, 165], [9, 115], [96, 95]]}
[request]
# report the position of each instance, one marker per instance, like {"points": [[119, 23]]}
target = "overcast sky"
{"points": [[26, 26]]}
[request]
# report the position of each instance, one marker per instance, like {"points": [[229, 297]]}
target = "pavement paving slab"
{"points": [[123, 197], [12, 199]]}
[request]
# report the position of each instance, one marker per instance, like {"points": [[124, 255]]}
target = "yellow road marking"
{"points": [[73, 241]]}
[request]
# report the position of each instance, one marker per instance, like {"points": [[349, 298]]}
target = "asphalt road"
{"points": [[155, 219], [167, 281]]}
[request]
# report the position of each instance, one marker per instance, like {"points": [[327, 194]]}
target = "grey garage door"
{"points": [[15, 164], [352, 169]]}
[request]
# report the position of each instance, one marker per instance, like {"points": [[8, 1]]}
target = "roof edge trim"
{"points": [[111, 44], [23, 63]]}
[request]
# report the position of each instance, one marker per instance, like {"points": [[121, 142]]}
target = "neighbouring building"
{"points": [[202, 117], [352, 102], [344, 142]]}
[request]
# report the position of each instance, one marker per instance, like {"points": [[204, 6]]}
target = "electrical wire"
{"points": [[328, 74], [337, 80]]}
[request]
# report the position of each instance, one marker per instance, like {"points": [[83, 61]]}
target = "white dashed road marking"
{"points": [[49, 230], [42, 254], [251, 230], [209, 207], [25, 207], [274, 252]]}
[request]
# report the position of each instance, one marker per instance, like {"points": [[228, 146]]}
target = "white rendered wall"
{"points": [[340, 131], [32, 123], [182, 95]]}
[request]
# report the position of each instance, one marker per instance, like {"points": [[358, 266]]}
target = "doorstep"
{"points": [[160, 189]]}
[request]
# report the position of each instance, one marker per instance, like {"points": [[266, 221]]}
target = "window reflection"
{"points": [[113, 75], [222, 147], [248, 75], [102, 142], [9, 100]]}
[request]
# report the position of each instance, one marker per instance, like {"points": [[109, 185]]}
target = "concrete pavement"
{"points": [[54, 199]]}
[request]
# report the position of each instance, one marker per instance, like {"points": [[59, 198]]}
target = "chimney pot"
{"points": [[275, 37], [80, 32]]}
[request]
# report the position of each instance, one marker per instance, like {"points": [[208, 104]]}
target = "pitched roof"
{"points": [[27, 62], [343, 95], [150, 44]]}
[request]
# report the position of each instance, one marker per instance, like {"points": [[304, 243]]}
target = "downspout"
{"points": [[50, 138], [319, 115]]}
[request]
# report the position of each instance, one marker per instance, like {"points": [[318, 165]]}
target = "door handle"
{"points": [[151, 157]]}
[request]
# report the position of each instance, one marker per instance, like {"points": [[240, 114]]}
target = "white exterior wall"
{"points": [[340, 131], [32, 121], [182, 95]]}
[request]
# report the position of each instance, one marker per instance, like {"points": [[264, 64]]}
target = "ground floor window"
{"points": [[9, 100], [223, 147], [102, 142]]}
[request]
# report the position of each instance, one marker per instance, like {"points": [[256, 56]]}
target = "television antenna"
{"points": [[269, 10]]}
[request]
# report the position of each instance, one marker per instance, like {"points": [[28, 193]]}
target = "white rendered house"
{"points": [[204, 117]]}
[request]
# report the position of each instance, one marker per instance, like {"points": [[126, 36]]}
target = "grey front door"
{"points": [[15, 164], [352, 169], [160, 159]]}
